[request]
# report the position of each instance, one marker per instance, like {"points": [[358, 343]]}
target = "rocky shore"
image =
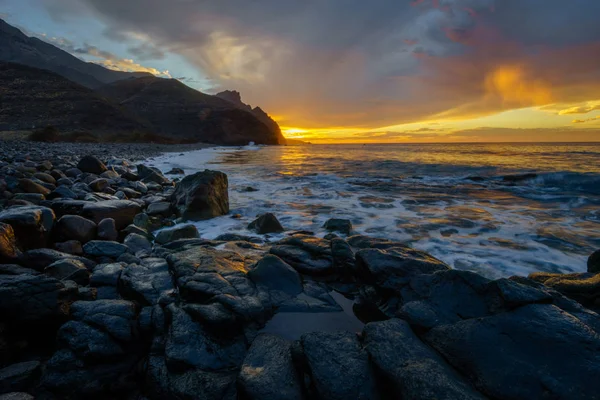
{"points": [[107, 292]]}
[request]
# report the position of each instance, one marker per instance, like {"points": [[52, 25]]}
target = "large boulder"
{"points": [[338, 366], [31, 224], [150, 174], [409, 368], [273, 273], [8, 244], [180, 232], [308, 255], [69, 270], [122, 211], [268, 371], [92, 165], [203, 195], [74, 227], [338, 225], [593, 263], [582, 287], [536, 351], [266, 223]]}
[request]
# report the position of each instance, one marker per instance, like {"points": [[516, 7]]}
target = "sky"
{"points": [[357, 71]]}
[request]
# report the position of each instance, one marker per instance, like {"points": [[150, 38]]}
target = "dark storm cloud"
{"points": [[362, 63]]}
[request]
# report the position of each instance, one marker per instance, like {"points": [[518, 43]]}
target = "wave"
{"points": [[570, 181]]}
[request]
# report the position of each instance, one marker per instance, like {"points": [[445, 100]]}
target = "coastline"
{"points": [[107, 293]]}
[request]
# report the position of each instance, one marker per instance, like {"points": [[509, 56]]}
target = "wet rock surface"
{"points": [[106, 293]]}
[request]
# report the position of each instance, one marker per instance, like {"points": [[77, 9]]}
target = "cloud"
{"points": [[581, 121], [584, 109], [351, 63]]}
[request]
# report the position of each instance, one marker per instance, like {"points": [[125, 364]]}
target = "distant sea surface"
{"points": [[470, 205]]}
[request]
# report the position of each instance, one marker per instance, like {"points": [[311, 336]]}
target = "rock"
{"points": [[99, 185], [74, 227], [69, 270], [214, 317], [176, 171], [122, 211], [107, 230], [159, 208], [593, 263], [16, 396], [343, 256], [339, 366], [33, 198], [29, 186], [13, 269], [137, 230], [45, 178], [411, 369], [32, 299], [583, 287], [70, 247], [73, 172], [338, 225], [535, 351], [101, 248], [106, 275], [203, 195], [137, 243], [39, 259], [90, 164], [234, 237], [268, 371], [31, 224], [189, 346], [62, 192], [266, 223], [67, 207], [116, 317], [389, 268], [20, 376], [179, 232], [274, 274], [149, 174], [148, 282], [8, 244], [367, 242], [308, 255]]}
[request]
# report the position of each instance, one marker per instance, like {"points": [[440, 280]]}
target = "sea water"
{"points": [[470, 205]]}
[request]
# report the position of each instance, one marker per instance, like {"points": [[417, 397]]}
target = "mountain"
{"points": [[180, 112], [16, 47], [235, 98], [32, 98]]}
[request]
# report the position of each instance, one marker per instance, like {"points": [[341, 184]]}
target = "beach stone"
{"points": [[593, 263], [106, 275], [73, 172], [14, 269], [91, 164], [159, 208], [137, 243], [16, 396], [8, 244], [70, 247], [99, 185], [39, 259], [69, 270], [389, 268], [31, 224], [107, 230], [74, 227], [411, 368], [266, 223], [148, 282], [33, 198], [180, 232], [62, 207], [268, 371], [29, 186], [20, 376], [45, 177], [507, 355], [104, 248], [308, 255], [110, 174], [122, 211], [63, 192], [203, 195], [338, 225], [176, 171], [150, 174], [274, 274], [339, 366]]}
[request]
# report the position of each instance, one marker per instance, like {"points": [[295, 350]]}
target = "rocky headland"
{"points": [[108, 291]]}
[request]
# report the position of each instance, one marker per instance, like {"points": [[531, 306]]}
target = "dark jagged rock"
{"points": [[367, 242], [122, 211], [593, 263], [338, 366], [203, 195], [308, 255], [19, 377], [16, 396], [70, 247], [181, 232], [148, 282], [69, 270], [411, 369], [343, 256], [8, 244], [31, 224], [107, 230], [149, 174], [338, 225], [104, 248], [160, 208], [582, 287], [92, 165], [137, 243], [39, 259], [266, 223], [99, 185], [74, 227], [274, 274], [268, 371]]}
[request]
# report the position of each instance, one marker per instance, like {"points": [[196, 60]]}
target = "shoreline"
{"points": [[105, 294]]}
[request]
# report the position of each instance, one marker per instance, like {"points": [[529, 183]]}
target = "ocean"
{"points": [[496, 209]]}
